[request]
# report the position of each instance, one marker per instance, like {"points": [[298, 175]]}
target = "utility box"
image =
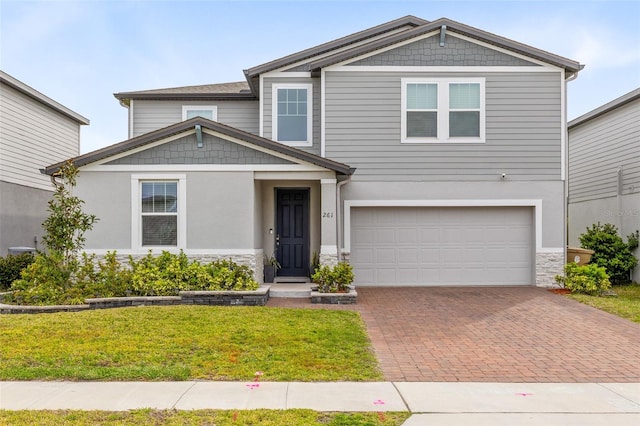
{"points": [[20, 250]]}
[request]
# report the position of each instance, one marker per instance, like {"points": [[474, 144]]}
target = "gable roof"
{"points": [[454, 27], [408, 21], [362, 42], [223, 91], [609, 106], [47, 101], [187, 125]]}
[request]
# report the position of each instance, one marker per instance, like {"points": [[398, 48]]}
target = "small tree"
{"points": [[67, 223], [611, 252]]}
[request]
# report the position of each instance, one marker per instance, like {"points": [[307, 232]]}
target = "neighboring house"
{"points": [[424, 153], [34, 131], [604, 169]]}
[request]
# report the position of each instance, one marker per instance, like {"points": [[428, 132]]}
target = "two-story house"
{"points": [[424, 153], [35, 131]]}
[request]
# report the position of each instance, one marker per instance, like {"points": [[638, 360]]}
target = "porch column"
{"points": [[328, 245]]}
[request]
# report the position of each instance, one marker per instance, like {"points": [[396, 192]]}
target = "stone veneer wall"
{"points": [[548, 265], [328, 259]]}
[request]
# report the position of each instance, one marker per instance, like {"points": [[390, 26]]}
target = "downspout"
{"points": [[339, 218], [54, 181]]}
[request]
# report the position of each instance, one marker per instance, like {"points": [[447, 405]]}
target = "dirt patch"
{"points": [[560, 290]]}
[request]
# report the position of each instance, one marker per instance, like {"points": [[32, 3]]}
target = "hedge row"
{"points": [[50, 280]]}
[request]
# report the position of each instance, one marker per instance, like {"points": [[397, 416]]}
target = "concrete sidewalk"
{"points": [[430, 403]]}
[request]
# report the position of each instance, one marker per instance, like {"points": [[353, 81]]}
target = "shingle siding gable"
{"points": [[214, 151], [456, 52]]}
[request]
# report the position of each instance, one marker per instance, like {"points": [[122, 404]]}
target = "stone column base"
{"points": [[548, 265]]}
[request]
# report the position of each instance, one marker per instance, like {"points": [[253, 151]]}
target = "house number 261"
{"points": [[328, 215]]}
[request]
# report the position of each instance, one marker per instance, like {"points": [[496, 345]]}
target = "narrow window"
{"points": [[292, 114]]}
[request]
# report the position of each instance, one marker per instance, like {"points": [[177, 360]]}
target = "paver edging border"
{"points": [[257, 297]]}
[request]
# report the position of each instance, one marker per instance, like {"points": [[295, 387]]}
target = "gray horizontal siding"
{"points": [[153, 115], [33, 136], [267, 99], [523, 129], [599, 148]]}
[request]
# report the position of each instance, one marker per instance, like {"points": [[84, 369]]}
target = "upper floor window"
{"points": [[292, 114], [443, 110], [210, 112]]}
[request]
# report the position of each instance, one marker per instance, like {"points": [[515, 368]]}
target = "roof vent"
{"points": [[443, 33]]}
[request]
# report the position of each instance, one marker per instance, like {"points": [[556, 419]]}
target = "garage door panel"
{"points": [[408, 236], [365, 236], [429, 256], [442, 246], [408, 275], [386, 256], [385, 236], [408, 256], [363, 256]]}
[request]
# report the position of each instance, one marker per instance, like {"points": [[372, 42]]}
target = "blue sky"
{"points": [[81, 52]]}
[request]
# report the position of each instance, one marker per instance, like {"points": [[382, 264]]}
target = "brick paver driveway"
{"points": [[490, 334]]}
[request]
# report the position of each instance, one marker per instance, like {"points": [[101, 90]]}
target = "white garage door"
{"points": [[426, 246]]}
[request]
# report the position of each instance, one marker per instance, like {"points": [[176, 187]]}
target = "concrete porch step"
{"points": [[293, 290], [296, 280]]}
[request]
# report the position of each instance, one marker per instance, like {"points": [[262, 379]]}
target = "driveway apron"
{"points": [[492, 334]]}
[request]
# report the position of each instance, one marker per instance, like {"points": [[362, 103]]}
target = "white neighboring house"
{"points": [[35, 131], [604, 169]]}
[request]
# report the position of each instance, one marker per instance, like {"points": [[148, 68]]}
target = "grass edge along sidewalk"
{"points": [[188, 342]]}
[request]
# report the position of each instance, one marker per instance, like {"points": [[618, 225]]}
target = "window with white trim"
{"points": [[443, 110], [292, 114], [159, 212], [210, 112]]}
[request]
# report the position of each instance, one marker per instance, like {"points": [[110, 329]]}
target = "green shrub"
{"points": [[101, 278], [228, 275], [611, 252], [52, 280], [45, 281], [589, 279], [162, 275], [333, 279], [11, 266], [168, 274]]}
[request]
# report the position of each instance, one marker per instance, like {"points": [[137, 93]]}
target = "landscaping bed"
{"points": [[257, 297]]}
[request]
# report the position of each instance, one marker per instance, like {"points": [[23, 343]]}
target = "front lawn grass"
{"points": [[187, 342], [202, 417], [626, 304]]}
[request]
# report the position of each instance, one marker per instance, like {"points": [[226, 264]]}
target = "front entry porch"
{"points": [[295, 221]]}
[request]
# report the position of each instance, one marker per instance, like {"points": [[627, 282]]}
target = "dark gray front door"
{"points": [[292, 227]]}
